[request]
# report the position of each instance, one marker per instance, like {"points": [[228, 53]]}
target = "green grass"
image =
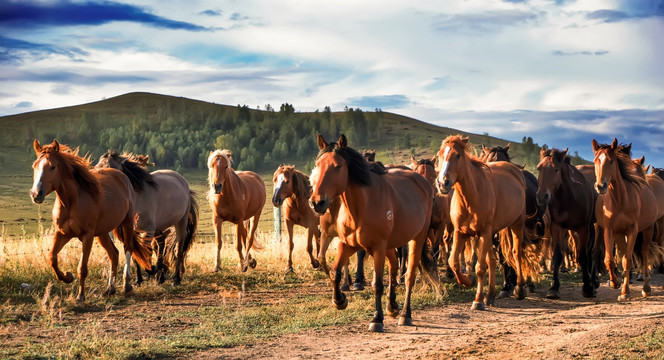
{"points": [[647, 346]]}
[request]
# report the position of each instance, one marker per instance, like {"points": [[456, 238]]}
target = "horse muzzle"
{"points": [[37, 197], [445, 186], [277, 201], [543, 200], [601, 188], [218, 188], [320, 206]]}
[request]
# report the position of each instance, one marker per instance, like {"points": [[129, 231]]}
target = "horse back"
{"points": [[657, 185], [509, 187], [254, 192], [411, 201], [164, 205]]}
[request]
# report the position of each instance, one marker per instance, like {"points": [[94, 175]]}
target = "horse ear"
{"points": [[647, 168], [614, 144], [507, 147], [465, 140], [642, 160], [434, 159], [485, 149], [321, 142], [595, 145], [56, 145], [343, 142], [37, 146], [565, 151], [412, 160]]}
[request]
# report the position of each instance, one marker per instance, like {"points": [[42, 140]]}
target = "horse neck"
{"points": [[468, 184], [234, 184], [617, 190], [354, 199], [67, 193]]}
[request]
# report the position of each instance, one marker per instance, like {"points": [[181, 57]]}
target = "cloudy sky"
{"points": [[561, 71]]}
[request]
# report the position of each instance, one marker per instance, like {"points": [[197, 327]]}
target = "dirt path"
{"points": [[574, 327]]}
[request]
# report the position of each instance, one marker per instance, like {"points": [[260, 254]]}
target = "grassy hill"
{"points": [[178, 133]]}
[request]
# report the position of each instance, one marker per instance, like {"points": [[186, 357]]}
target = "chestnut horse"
{"points": [[570, 199], [380, 210], [625, 207], [235, 196], [535, 222], [89, 203], [487, 198], [292, 188], [163, 199]]}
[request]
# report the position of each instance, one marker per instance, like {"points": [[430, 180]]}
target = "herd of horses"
{"points": [[465, 210]]}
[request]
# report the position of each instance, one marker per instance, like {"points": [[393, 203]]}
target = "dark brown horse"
{"points": [[487, 198], [625, 207], [535, 221], [163, 199], [235, 197], [570, 199], [89, 204], [292, 189], [380, 210], [656, 183]]}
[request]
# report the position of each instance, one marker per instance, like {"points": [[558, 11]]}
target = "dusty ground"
{"points": [[536, 327]]}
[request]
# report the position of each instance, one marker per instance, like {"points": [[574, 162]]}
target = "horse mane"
{"points": [[467, 147], [659, 172], [502, 150], [131, 167], [426, 162], [75, 166], [359, 170], [301, 186], [625, 164]]}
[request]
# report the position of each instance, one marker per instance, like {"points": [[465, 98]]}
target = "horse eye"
{"points": [[458, 156], [557, 170], [52, 167]]}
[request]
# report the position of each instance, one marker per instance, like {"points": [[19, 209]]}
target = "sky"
{"points": [[561, 71]]}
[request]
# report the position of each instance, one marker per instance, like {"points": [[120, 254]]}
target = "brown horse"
{"points": [[487, 198], [235, 196], [625, 207], [89, 203], [380, 210], [292, 189], [656, 183], [570, 199], [163, 199]]}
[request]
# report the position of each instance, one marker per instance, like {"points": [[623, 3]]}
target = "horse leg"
{"points": [[627, 262], [249, 240], [359, 273], [509, 275], [139, 275], [59, 241], [645, 250], [402, 252], [344, 252], [112, 252], [557, 237], [376, 324], [289, 228], [241, 237], [310, 249], [583, 260], [481, 265], [217, 235], [458, 245], [345, 277], [83, 266], [392, 305], [180, 235], [608, 257], [322, 252], [517, 236], [414, 256], [491, 291]]}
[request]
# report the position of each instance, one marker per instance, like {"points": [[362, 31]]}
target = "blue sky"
{"points": [[561, 71]]}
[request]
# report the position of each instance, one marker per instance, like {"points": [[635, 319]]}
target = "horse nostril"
{"points": [[446, 183]]}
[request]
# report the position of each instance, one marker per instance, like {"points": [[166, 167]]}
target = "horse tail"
{"points": [[530, 253], [192, 224], [256, 245], [429, 269], [141, 251], [655, 251]]}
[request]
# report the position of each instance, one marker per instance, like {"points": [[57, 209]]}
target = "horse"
{"points": [[292, 189], [487, 197], [163, 199], [380, 210], [570, 200], [658, 171], [656, 183], [440, 218], [626, 206], [235, 196], [89, 204], [535, 221]]}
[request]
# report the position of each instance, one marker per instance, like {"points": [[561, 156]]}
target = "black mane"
{"points": [[137, 175], [358, 168], [625, 164]]}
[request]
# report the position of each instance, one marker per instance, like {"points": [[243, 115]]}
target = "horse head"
{"points": [[453, 159], [46, 171], [219, 164], [284, 183], [426, 168], [496, 153], [606, 164], [111, 159], [550, 169], [329, 177]]}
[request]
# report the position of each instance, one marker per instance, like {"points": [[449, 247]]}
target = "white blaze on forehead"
{"points": [[313, 179], [602, 158], [280, 180], [444, 167], [40, 173]]}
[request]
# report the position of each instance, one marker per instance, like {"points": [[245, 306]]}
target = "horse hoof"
{"points": [[252, 263], [623, 297], [646, 290], [477, 305], [405, 321], [315, 264], [519, 292], [503, 294], [110, 291], [614, 285], [393, 311], [80, 299], [161, 276], [553, 294], [376, 327], [588, 292], [244, 267], [343, 304], [489, 301], [345, 287], [69, 277], [127, 288], [177, 282], [289, 270], [358, 286], [531, 288]]}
